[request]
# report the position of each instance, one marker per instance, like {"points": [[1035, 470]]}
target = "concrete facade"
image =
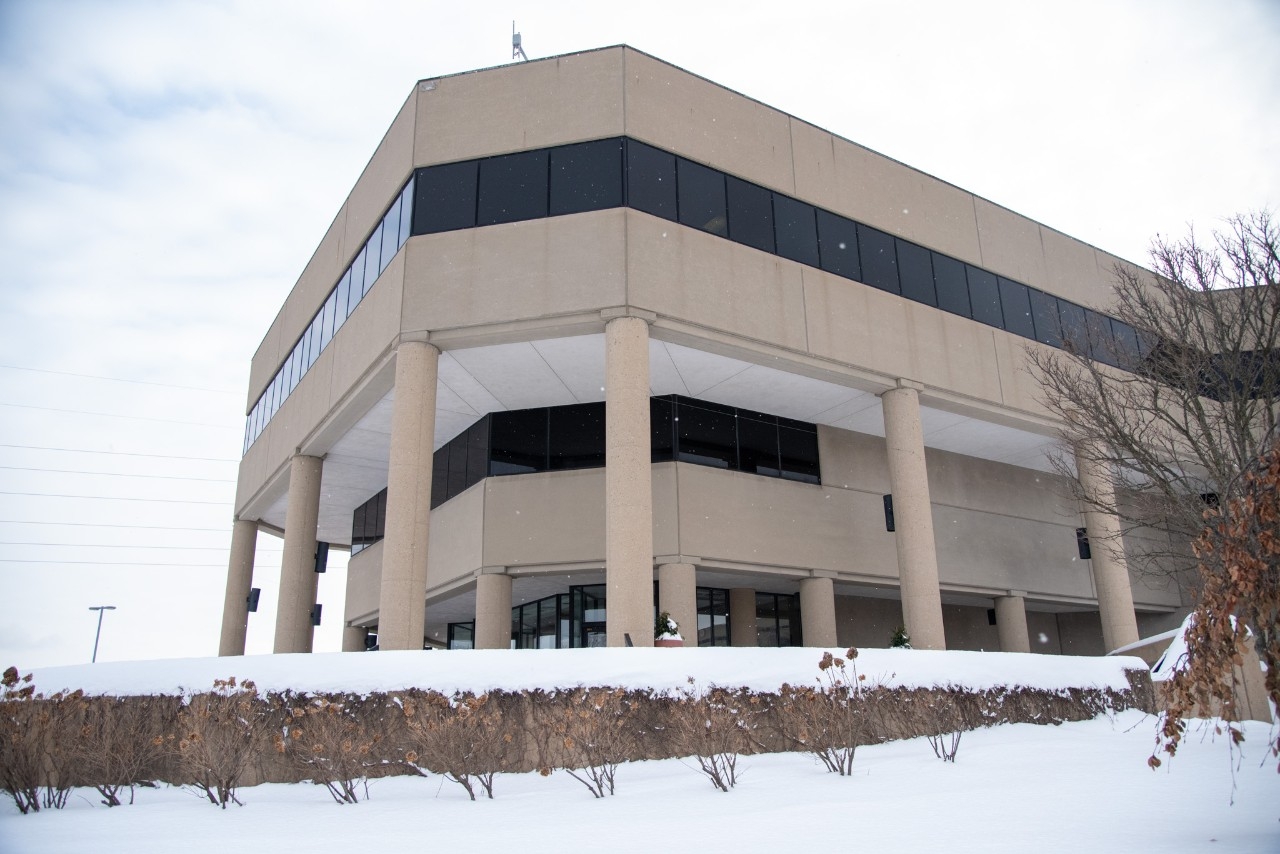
{"points": [[619, 305]]}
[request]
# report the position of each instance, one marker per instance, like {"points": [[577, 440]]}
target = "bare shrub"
{"points": [[945, 746], [121, 742], [830, 721], [220, 733], [715, 727], [333, 741], [589, 733], [36, 768], [464, 738]]}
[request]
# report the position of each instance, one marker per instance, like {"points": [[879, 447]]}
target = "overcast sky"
{"points": [[167, 168]]}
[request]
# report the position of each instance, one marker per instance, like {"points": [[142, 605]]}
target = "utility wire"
{"points": [[124, 563], [120, 474], [119, 546], [121, 453], [115, 415], [115, 498], [116, 379], [107, 525]]}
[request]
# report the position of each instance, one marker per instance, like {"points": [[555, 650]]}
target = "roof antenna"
{"points": [[517, 52]]}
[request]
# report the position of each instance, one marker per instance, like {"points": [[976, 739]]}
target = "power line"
{"points": [[123, 563], [120, 474], [121, 453], [115, 498], [116, 379], [115, 415], [119, 546], [107, 525]]}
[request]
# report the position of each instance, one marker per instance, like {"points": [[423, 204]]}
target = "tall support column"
{"points": [[493, 611], [298, 578], [678, 596], [353, 638], [402, 601], [1011, 623], [628, 488], [742, 617], [235, 606], [1110, 570], [818, 611], [913, 519]]}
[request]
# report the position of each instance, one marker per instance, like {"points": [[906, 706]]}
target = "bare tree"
{"points": [[1179, 403]]}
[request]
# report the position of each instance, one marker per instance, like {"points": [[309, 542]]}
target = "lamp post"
{"points": [[99, 609]]}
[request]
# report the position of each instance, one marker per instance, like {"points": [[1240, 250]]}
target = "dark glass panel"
{"points": [[586, 177], [313, 336], [750, 214], [444, 197], [577, 436], [390, 234], [713, 617], [796, 229], [513, 187], [1044, 310], [838, 245], [478, 451], [984, 296], [952, 287], [357, 525], [879, 261], [1101, 342], [357, 283], [518, 441], [380, 525], [372, 252], [440, 476], [326, 322], [706, 437], [915, 272], [406, 213], [1016, 301], [458, 453], [341, 303], [1126, 340], [799, 454], [702, 201], [789, 621], [651, 180], [758, 447], [547, 622], [662, 440], [1075, 336], [766, 619], [461, 635]]}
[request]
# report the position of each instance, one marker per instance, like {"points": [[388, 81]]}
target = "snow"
{"points": [[664, 669], [1076, 787]]}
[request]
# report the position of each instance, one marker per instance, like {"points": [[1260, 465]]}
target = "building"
{"points": [[593, 334]]}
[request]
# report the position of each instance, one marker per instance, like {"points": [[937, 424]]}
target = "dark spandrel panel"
{"points": [[662, 440], [1101, 342], [796, 228], [586, 177], [458, 454], [702, 200], [440, 477], [518, 441], [804, 426], [915, 272], [1126, 343], [477, 451], [372, 252], [445, 197], [683, 402], [1015, 299], [705, 437], [984, 296], [513, 188], [878, 258], [1044, 310], [756, 416], [799, 454], [577, 436], [838, 245], [651, 180], [750, 214], [758, 447], [1075, 334], [950, 282], [390, 236]]}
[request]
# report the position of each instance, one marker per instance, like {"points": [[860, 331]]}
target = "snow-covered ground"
{"points": [[1070, 788]]}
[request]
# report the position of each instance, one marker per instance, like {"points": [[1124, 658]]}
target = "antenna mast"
{"points": [[517, 52]]}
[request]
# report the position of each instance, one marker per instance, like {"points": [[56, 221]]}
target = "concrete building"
{"points": [[593, 335]]}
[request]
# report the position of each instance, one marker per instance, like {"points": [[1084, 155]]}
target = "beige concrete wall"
{"points": [[968, 627], [865, 622], [457, 537], [550, 517], [364, 582], [1079, 633]]}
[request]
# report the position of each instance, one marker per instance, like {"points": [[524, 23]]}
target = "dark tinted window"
{"points": [[371, 253], [879, 261], [1016, 301], [702, 202], [758, 446], [458, 454], [577, 436], [513, 187], [445, 197], [750, 214], [796, 230], [1044, 310], [586, 177], [838, 243], [706, 437], [799, 453], [477, 438], [915, 272], [1075, 334], [953, 290], [984, 296], [440, 477], [651, 180], [662, 439], [1101, 344], [390, 236], [1126, 343], [518, 441]]}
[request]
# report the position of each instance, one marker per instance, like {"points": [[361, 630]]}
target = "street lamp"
{"points": [[99, 609]]}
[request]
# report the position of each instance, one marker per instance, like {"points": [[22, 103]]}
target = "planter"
{"points": [[668, 642]]}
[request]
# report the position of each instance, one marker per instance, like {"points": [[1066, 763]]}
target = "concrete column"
{"points": [[402, 601], [742, 617], [298, 578], [678, 596], [353, 638], [1110, 570], [493, 611], [913, 518], [1011, 623], [628, 488], [235, 605], [818, 611]]}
